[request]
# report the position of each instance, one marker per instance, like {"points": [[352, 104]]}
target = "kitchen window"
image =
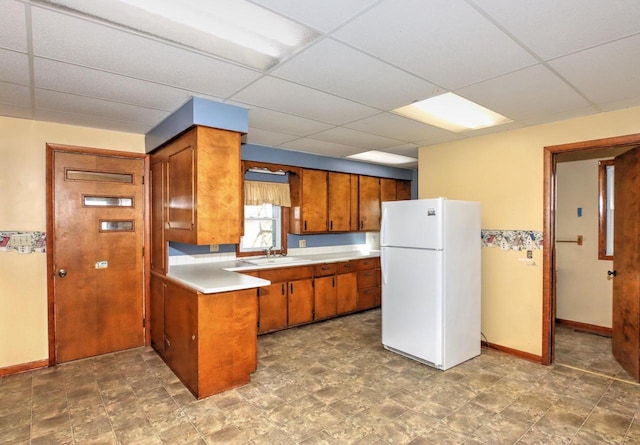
{"points": [[265, 213], [262, 228], [605, 209]]}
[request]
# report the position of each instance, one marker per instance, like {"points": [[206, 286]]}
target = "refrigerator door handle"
{"points": [[383, 219], [383, 266]]}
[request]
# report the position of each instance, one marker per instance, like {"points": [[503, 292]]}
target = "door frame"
{"points": [[51, 314], [549, 235]]}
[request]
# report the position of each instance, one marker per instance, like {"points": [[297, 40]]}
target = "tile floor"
{"points": [[329, 383]]}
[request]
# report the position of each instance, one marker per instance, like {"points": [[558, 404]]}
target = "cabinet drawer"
{"points": [[322, 270], [369, 298], [287, 274], [367, 263], [345, 267], [368, 278]]}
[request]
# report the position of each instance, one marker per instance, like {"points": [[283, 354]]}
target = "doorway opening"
{"points": [[608, 147]]}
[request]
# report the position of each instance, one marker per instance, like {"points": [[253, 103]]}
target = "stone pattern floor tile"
{"points": [[331, 383]]}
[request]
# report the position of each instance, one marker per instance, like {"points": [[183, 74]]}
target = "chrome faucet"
{"points": [[268, 251]]}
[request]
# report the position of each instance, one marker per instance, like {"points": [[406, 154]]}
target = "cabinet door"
{"points": [[156, 316], [387, 189], [346, 292], [355, 221], [181, 194], [158, 183], [369, 203], [300, 301], [314, 201], [272, 307], [325, 297], [339, 202], [181, 333], [403, 190]]}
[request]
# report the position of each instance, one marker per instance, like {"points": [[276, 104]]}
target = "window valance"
{"points": [[260, 192]]}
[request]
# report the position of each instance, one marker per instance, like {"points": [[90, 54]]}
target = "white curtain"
{"points": [[260, 192]]}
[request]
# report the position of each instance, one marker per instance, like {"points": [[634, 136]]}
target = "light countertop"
{"points": [[225, 276]]}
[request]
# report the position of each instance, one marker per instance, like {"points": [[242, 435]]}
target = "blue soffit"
{"points": [[198, 111]]}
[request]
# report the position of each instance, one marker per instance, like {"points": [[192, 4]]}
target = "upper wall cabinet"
{"points": [[321, 202], [202, 189], [369, 203]]}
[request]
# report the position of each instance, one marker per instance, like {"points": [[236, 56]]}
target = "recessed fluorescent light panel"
{"points": [[236, 30], [452, 112], [381, 157]]}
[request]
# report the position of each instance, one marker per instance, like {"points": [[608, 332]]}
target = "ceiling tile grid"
{"points": [[532, 61]]}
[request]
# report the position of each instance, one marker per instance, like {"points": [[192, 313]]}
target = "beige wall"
{"points": [[504, 171], [583, 291], [23, 284]]}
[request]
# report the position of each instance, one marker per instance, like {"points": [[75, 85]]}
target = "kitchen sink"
{"points": [[264, 261]]}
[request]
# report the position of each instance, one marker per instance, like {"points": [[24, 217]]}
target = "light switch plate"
{"points": [[302, 243]]}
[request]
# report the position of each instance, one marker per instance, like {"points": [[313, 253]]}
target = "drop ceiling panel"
{"points": [[321, 147], [84, 120], [268, 138], [567, 25], [334, 67], [525, 94], [396, 127], [13, 29], [15, 95], [15, 67], [606, 73], [67, 78], [323, 15], [291, 98], [341, 135], [68, 103], [17, 112], [65, 38], [282, 122], [438, 41]]}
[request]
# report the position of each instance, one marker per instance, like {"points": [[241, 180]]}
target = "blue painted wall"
{"points": [[261, 153]]}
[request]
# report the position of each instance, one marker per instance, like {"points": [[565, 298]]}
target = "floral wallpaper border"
{"points": [[512, 239]]}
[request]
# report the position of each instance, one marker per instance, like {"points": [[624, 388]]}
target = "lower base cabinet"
{"points": [[210, 340]]}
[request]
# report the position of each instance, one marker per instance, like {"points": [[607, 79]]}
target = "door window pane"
{"points": [[116, 226], [86, 175], [107, 201]]}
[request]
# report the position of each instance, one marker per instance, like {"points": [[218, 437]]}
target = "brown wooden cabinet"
{"points": [[272, 307], [309, 201], [209, 340], [369, 277], [369, 203], [324, 295], [158, 187], [339, 212], [288, 301], [346, 287], [200, 181], [156, 316], [403, 190], [387, 189], [322, 202]]}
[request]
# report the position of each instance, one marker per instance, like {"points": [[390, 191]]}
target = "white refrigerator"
{"points": [[430, 258]]}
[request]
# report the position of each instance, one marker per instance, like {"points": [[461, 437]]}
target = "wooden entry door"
{"points": [[626, 263], [96, 212]]}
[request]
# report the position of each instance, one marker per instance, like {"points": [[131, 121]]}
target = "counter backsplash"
{"points": [[231, 256]]}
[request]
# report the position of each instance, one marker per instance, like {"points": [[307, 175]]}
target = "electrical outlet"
{"points": [[214, 247], [530, 254], [302, 243]]}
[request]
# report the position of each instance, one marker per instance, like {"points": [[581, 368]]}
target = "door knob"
{"points": [[612, 273], [62, 273]]}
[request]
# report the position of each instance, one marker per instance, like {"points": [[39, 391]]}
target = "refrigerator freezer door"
{"points": [[412, 303], [416, 223]]}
